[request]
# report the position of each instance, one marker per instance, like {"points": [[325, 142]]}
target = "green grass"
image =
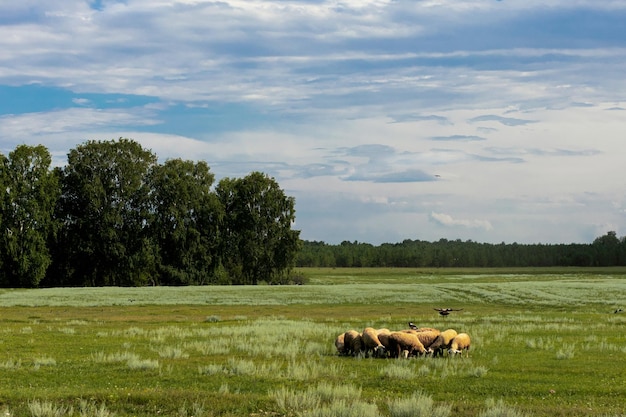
{"points": [[543, 344]]}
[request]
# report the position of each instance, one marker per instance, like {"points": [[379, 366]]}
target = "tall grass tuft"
{"points": [[303, 370], [398, 369], [323, 397], [126, 356], [211, 369], [44, 361], [344, 408], [566, 352], [142, 364], [67, 330], [47, 409], [417, 405], [195, 410], [500, 409], [329, 393], [11, 364], [289, 400], [478, 371], [423, 370], [171, 352], [241, 367], [91, 409]]}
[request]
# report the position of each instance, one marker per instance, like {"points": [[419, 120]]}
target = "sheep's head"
{"points": [[380, 351]]}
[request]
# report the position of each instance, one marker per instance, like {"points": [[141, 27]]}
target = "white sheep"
{"points": [[460, 343], [442, 342], [371, 343], [401, 341]]}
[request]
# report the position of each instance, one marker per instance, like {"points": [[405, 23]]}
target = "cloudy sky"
{"points": [[495, 121]]}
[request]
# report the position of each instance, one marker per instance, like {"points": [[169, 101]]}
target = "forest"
{"points": [[115, 216], [607, 250]]}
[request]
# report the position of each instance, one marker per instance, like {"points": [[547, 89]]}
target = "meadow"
{"points": [[544, 343]]}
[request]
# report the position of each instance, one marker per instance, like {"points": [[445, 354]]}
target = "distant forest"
{"points": [[607, 250]]}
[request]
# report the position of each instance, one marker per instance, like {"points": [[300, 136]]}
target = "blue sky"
{"points": [[495, 121]]}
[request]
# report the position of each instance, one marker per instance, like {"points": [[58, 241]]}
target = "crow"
{"points": [[445, 311]]}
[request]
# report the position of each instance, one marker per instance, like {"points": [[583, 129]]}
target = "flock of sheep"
{"points": [[383, 343]]}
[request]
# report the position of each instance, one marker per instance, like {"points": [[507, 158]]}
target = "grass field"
{"points": [[544, 343]]}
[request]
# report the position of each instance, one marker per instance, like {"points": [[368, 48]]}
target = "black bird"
{"points": [[619, 310], [445, 311], [412, 326]]}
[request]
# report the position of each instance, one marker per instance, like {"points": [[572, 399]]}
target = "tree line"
{"points": [[114, 215], [607, 250]]}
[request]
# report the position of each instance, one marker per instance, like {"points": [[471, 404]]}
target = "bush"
{"points": [[417, 405]]}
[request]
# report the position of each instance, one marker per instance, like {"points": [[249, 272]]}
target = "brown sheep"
{"points": [[427, 337], [353, 342], [460, 343], [340, 344], [442, 342], [401, 341], [371, 343], [383, 337]]}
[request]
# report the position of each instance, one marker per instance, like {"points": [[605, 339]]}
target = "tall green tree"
{"points": [[258, 242], [105, 210], [185, 221], [29, 193], [607, 249]]}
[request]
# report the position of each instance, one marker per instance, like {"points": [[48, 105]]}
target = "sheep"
{"points": [[371, 343], [401, 341], [383, 334], [340, 344], [428, 337], [383, 337], [442, 342], [353, 342], [460, 343]]}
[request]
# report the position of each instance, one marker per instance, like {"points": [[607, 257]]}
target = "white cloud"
{"points": [[40, 124], [81, 101], [447, 220]]}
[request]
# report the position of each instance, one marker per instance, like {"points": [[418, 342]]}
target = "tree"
{"points": [[185, 221], [29, 193], [607, 249], [105, 212], [258, 243]]}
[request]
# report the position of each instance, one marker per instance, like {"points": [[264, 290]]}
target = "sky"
{"points": [[485, 120]]}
